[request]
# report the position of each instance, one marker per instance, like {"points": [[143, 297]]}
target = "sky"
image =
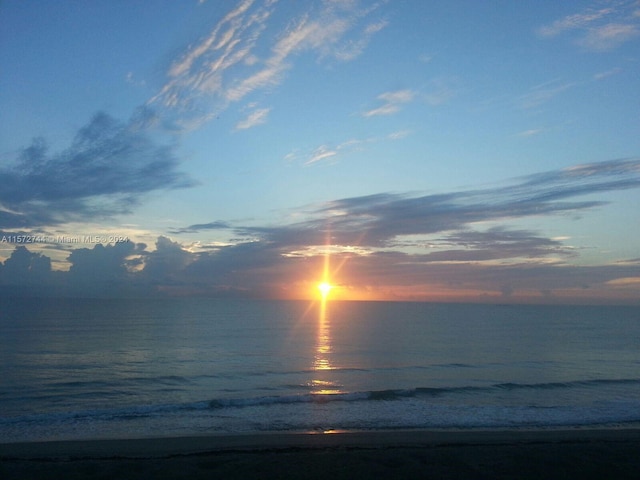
{"points": [[399, 150]]}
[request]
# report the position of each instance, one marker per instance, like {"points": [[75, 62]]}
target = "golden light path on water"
{"points": [[322, 383]]}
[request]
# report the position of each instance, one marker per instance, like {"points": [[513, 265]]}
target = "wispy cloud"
{"points": [[607, 74], [438, 91], [399, 134], [240, 55], [377, 221], [543, 93], [530, 133], [327, 151], [324, 152], [199, 227], [497, 243], [321, 153], [391, 102], [575, 21], [598, 29], [354, 48], [610, 36], [257, 117]]}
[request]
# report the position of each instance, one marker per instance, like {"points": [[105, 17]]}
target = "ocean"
{"points": [[99, 368]]}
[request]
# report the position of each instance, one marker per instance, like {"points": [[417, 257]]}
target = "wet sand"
{"points": [[549, 454]]}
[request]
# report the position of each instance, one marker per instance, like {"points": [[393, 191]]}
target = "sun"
{"points": [[325, 288]]}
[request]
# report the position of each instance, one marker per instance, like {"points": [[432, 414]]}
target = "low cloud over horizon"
{"points": [[452, 246]]}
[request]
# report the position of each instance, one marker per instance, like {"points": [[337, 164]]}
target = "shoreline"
{"points": [[557, 453], [198, 444]]}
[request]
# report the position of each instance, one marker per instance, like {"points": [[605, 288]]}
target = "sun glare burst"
{"points": [[324, 288]]}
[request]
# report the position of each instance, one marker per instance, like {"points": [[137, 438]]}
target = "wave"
{"points": [[510, 386], [389, 395], [397, 394], [575, 383], [138, 380], [134, 411], [590, 402]]}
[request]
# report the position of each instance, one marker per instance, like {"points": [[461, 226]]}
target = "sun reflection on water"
{"points": [[323, 383]]}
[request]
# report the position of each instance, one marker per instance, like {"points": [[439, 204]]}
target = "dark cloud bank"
{"points": [[499, 262], [107, 170]]}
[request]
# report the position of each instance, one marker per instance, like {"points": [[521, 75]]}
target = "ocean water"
{"points": [[84, 369]]}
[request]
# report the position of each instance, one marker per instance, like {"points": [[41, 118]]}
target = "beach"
{"points": [[550, 454]]}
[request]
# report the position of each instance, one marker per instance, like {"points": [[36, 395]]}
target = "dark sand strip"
{"points": [[549, 454]]}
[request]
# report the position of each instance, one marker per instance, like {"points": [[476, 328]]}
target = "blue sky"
{"points": [[475, 151]]}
